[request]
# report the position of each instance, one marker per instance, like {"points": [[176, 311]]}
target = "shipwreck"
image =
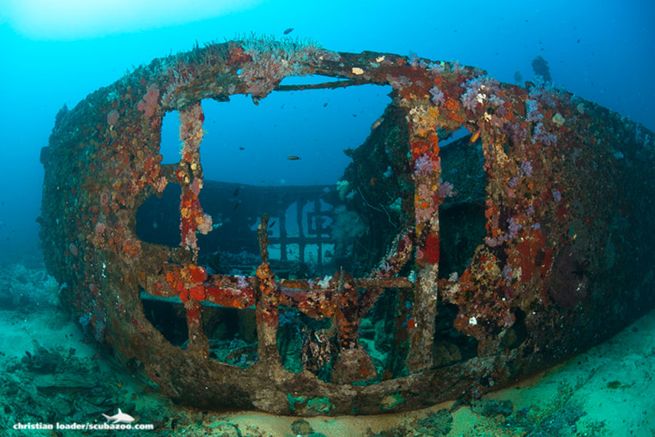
{"points": [[494, 255]]}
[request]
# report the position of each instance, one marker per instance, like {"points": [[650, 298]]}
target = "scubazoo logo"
{"points": [[119, 417], [119, 421]]}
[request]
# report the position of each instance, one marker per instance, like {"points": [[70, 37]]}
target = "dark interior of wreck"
{"points": [[317, 230]]}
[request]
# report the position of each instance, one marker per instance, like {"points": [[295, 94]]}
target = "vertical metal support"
{"points": [[193, 219], [266, 307], [301, 230], [189, 175], [353, 363], [346, 312], [282, 223], [197, 339], [401, 315], [427, 170], [319, 232]]}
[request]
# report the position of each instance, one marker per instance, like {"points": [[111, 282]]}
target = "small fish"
{"points": [[325, 105], [242, 148], [288, 30], [236, 192], [236, 205], [293, 158]]}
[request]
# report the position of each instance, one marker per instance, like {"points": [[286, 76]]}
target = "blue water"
{"points": [[602, 51]]}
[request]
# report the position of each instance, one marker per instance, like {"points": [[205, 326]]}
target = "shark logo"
{"points": [[119, 417]]}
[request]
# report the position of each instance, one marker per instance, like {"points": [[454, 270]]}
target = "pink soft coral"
{"points": [[150, 102]]}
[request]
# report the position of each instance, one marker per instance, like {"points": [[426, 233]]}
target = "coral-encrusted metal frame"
{"points": [[568, 257]]}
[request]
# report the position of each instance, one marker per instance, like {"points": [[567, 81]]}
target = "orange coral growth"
{"points": [[431, 250], [132, 248], [527, 252], [231, 298], [196, 273], [429, 146], [197, 292], [454, 110]]}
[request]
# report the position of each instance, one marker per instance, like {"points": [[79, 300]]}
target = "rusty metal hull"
{"points": [[567, 259]]}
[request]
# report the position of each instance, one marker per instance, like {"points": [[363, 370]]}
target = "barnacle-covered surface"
{"points": [[564, 259]]}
